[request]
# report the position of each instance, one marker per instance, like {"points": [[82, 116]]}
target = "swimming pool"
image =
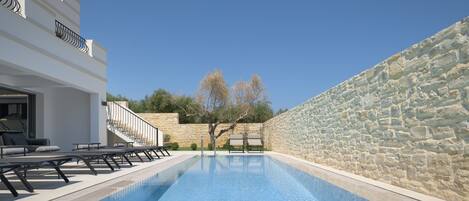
{"points": [[233, 178]]}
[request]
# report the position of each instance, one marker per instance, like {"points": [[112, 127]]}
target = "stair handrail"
{"points": [[147, 129], [136, 115]]}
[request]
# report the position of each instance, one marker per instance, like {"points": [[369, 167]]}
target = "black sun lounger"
{"points": [[5, 168], [147, 149], [106, 153], [86, 157], [126, 151], [38, 161], [154, 149]]}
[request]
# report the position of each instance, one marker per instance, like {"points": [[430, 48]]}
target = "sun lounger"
{"points": [[254, 141], [5, 168], [19, 139], [38, 161], [87, 157], [162, 149], [236, 141]]}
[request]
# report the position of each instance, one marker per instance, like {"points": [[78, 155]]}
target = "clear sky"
{"points": [[299, 48]]}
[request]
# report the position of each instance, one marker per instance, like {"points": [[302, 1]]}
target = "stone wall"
{"points": [[186, 134], [404, 122]]}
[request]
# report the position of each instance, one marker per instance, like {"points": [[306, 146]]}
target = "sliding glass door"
{"points": [[17, 112]]}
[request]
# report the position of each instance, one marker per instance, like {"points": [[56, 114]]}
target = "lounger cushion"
{"points": [[47, 149], [39, 141], [255, 142], [120, 145], [254, 136], [85, 146], [14, 139], [16, 150], [236, 142], [237, 136]]}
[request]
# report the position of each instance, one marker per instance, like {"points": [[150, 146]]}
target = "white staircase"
{"points": [[130, 127]]}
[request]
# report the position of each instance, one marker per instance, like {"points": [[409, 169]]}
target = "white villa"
{"points": [[52, 80]]}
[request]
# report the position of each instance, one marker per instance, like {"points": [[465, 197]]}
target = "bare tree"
{"points": [[220, 104]]}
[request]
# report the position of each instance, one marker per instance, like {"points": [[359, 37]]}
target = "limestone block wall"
{"points": [[405, 121], [186, 134]]}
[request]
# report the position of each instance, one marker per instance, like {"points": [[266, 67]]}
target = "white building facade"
{"points": [[60, 76]]}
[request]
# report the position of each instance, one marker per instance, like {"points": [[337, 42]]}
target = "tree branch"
{"points": [[233, 125]]}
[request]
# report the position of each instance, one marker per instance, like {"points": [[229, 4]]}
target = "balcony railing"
{"points": [[69, 36], [12, 5]]}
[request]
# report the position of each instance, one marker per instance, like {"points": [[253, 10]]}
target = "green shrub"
{"points": [[174, 146], [194, 146], [226, 146], [210, 147]]}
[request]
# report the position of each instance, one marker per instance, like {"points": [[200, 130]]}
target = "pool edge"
{"points": [[104, 189], [363, 180]]}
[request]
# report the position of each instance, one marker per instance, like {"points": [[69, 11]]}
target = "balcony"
{"points": [[12, 5], [46, 20], [69, 36], [37, 43]]}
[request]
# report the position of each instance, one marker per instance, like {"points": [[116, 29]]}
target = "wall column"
{"points": [[97, 120]]}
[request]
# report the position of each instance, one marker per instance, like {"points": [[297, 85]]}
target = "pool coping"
{"points": [[108, 187], [367, 188], [364, 187]]}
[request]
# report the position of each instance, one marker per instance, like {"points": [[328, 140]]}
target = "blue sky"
{"points": [[299, 48]]}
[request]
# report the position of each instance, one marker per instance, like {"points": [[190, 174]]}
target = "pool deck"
{"points": [[84, 186]]}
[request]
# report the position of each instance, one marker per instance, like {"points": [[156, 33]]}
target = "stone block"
{"points": [[464, 55], [420, 132], [460, 82], [395, 69], [442, 133], [443, 63], [432, 85], [416, 65], [454, 112], [458, 71], [425, 113], [462, 131], [438, 164], [451, 147], [418, 160]]}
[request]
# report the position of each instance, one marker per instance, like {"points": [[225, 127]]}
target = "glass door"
{"points": [[17, 112]]}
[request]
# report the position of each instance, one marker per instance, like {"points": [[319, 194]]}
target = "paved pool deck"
{"points": [[84, 186]]}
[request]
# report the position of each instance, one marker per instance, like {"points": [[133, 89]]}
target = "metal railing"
{"points": [[12, 5], [69, 36], [126, 121]]}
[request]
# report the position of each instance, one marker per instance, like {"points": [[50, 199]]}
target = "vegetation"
{"points": [[162, 101], [215, 103], [174, 146], [218, 103], [194, 146], [209, 146]]}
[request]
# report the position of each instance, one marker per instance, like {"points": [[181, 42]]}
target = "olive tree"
{"points": [[219, 103]]}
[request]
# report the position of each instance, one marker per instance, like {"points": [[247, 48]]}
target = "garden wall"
{"points": [[186, 134], [405, 121]]}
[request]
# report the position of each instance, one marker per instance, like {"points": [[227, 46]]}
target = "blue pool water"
{"points": [[233, 178]]}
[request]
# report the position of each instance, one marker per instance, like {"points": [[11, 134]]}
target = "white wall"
{"points": [[70, 84], [30, 48], [65, 116]]}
